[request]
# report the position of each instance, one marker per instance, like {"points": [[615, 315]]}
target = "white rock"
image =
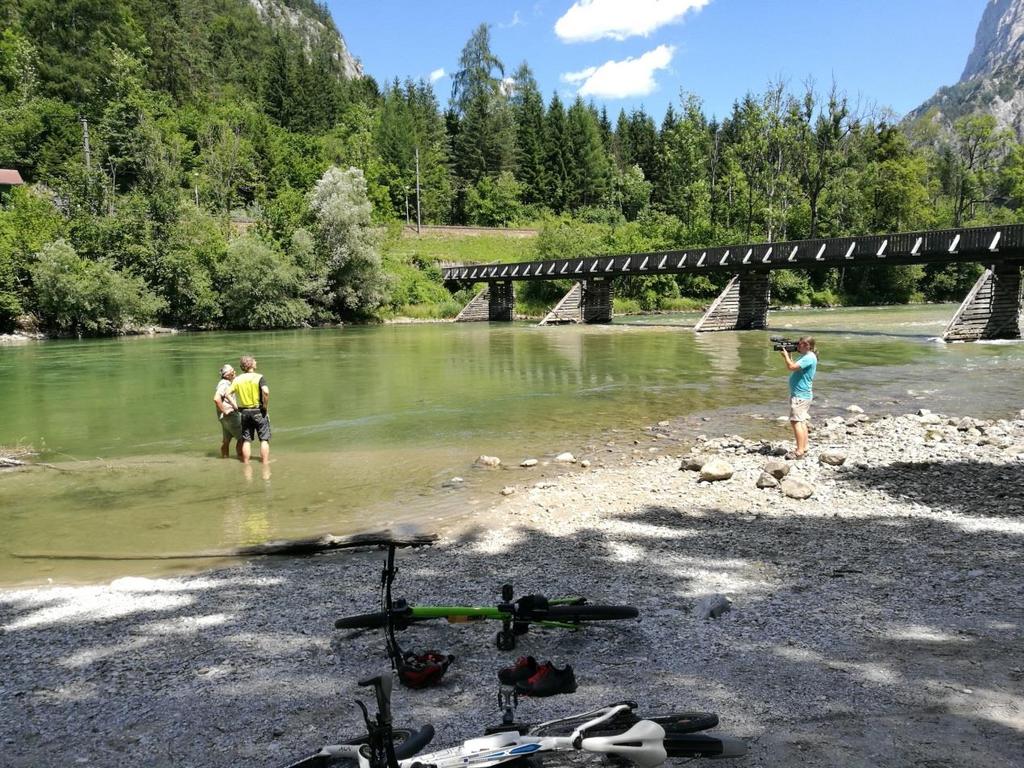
{"points": [[508, 490], [487, 461], [585, 463], [832, 458], [528, 463], [712, 606], [854, 409], [566, 458], [716, 469], [795, 488]]}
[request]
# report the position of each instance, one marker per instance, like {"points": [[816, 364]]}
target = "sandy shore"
{"points": [[876, 623]]}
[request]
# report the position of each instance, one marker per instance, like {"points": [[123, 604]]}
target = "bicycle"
{"points": [[614, 731], [516, 616]]}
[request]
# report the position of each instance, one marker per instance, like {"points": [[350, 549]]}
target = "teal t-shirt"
{"points": [[800, 381]]}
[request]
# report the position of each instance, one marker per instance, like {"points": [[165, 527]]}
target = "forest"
{"points": [[188, 164]]}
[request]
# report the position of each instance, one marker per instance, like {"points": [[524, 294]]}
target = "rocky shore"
{"points": [[861, 607]]}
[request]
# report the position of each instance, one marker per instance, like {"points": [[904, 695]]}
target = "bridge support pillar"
{"points": [[597, 301], [741, 306], [992, 309], [501, 301]]}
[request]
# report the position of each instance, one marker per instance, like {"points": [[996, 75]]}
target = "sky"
{"points": [[626, 54]]}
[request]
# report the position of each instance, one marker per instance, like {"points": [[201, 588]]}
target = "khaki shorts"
{"points": [[799, 409], [231, 426]]}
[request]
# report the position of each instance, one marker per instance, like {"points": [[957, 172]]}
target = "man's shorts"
{"points": [[799, 409], [231, 426], [255, 425]]}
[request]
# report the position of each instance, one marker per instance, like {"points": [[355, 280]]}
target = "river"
{"points": [[372, 423]]}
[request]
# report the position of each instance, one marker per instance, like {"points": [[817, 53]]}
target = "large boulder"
{"points": [[716, 469], [777, 469], [767, 480], [795, 488], [832, 458]]}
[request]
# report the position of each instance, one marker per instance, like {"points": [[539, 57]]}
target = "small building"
{"points": [[9, 178]]}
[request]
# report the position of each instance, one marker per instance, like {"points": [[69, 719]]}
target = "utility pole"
{"points": [[407, 206], [85, 142], [417, 190]]}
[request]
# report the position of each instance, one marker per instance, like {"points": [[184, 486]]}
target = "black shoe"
{"points": [[525, 667], [548, 681]]}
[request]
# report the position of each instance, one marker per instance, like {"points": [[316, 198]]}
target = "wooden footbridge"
{"points": [[991, 310]]}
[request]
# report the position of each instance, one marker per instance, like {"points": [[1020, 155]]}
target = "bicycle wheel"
{"points": [[577, 614]]}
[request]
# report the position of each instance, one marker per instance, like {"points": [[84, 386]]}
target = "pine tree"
{"points": [[528, 110], [485, 144], [556, 156], [587, 164]]}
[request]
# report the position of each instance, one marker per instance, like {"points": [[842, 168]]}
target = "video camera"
{"points": [[780, 343]]}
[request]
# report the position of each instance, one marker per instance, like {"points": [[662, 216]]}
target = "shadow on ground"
{"points": [[878, 641]]}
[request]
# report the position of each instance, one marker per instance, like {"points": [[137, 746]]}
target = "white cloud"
{"points": [[622, 79], [436, 75], [589, 20], [516, 21]]}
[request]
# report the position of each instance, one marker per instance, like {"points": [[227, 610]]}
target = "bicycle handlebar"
{"points": [[382, 685]]}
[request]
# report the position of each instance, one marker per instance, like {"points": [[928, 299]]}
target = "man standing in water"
{"points": [[801, 377], [253, 397], [227, 413]]}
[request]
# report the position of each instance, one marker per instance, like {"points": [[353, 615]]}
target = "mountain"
{"points": [[993, 78], [313, 25]]}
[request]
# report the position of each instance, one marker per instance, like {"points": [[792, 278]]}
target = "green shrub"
{"points": [[74, 295], [621, 306], [681, 304], [825, 298], [447, 309], [790, 287], [260, 287]]}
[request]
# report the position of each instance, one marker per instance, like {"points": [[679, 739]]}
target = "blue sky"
{"points": [[631, 53]]}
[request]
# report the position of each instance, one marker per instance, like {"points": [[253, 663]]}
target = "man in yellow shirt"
{"points": [[253, 397]]}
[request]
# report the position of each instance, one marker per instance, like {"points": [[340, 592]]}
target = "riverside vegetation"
{"points": [[237, 175]]}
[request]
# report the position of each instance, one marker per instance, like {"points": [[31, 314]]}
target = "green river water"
{"points": [[370, 423]]}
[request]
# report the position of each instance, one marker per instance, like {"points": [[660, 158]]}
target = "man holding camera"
{"points": [[800, 393]]}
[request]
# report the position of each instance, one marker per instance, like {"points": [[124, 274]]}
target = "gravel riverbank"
{"points": [[876, 623]]}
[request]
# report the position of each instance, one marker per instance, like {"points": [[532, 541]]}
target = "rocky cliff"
{"points": [[993, 79], [314, 27]]}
